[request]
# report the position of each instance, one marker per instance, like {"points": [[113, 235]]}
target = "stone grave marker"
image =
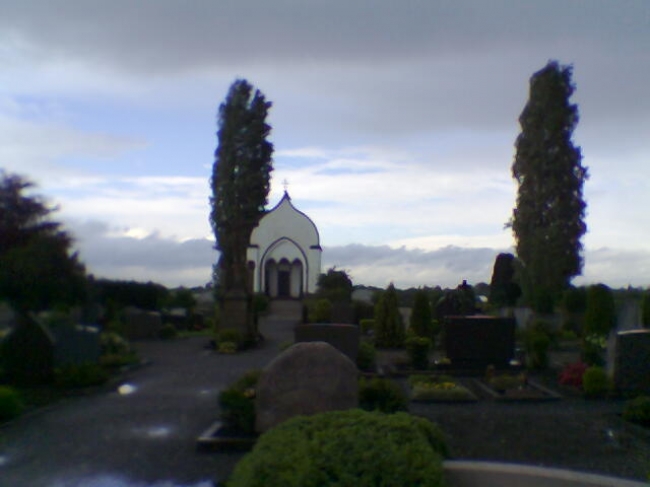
{"points": [[307, 378], [478, 341], [629, 360], [75, 345], [141, 324]]}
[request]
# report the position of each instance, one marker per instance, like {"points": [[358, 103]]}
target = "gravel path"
{"points": [[147, 437]]}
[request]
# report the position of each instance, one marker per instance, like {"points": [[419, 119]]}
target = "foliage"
{"points": [[504, 291], [593, 348], [421, 315], [11, 404], [506, 382], [537, 340], [320, 311], [367, 325], [638, 411], [380, 394], [367, 356], [418, 349], [181, 298], [261, 303], [80, 376], [548, 221], [113, 343], [572, 374], [119, 294], [347, 449], [595, 383], [237, 403], [112, 360], [230, 335], [227, 347], [389, 330], [600, 314], [240, 180], [575, 300], [441, 391], [335, 285], [168, 332], [37, 270]]}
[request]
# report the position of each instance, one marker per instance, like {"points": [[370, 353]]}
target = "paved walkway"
{"points": [[146, 437]]}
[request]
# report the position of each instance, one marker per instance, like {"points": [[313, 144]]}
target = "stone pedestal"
{"points": [[235, 313]]}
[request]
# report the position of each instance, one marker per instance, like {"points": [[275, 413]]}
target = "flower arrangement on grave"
{"points": [[440, 388]]}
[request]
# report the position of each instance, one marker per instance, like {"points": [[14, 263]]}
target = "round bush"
{"points": [[10, 403], [595, 382], [638, 411], [345, 448]]}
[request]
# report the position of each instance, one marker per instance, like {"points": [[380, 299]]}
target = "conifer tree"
{"points": [[421, 315], [389, 329], [548, 221], [240, 178]]}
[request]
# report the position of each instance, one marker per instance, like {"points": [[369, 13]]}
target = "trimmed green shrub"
{"points": [[320, 311], [11, 404], [418, 351], [80, 376], [366, 356], [237, 403], [231, 335], [638, 411], [227, 347], [600, 315], [379, 394], [367, 325], [595, 382], [347, 449], [113, 343], [168, 332]]}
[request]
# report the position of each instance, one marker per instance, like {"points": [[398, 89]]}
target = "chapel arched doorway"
{"points": [[283, 279]]}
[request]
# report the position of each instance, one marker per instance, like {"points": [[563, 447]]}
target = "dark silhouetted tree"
{"points": [[600, 315], [335, 285], [37, 268], [504, 291], [548, 221], [389, 329], [240, 181], [421, 315]]}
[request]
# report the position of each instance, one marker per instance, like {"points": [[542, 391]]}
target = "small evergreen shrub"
{"points": [[367, 325], [638, 411], [168, 332], [113, 343], [366, 356], [379, 394], [418, 349], [80, 376], [595, 383], [11, 404], [537, 341], [348, 449], [389, 329], [237, 403]]}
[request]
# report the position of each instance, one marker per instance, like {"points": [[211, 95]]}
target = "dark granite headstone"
{"points": [[345, 338], [632, 361], [76, 345], [141, 324], [478, 341]]}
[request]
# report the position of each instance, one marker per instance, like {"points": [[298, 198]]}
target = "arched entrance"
{"points": [[283, 279]]}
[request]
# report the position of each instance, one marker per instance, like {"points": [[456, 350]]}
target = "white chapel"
{"points": [[284, 253]]}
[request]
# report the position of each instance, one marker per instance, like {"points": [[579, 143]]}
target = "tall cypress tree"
{"points": [[240, 180], [548, 221]]}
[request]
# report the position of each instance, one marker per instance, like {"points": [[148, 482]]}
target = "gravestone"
{"points": [[305, 379], [478, 341], [141, 324], [629, 361], [76, 345], [345, 338]]}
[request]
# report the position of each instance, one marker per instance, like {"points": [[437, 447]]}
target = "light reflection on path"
{"points": [[114, 481]]}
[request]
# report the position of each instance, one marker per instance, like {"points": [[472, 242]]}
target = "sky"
{"points": [[393, 122]]}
